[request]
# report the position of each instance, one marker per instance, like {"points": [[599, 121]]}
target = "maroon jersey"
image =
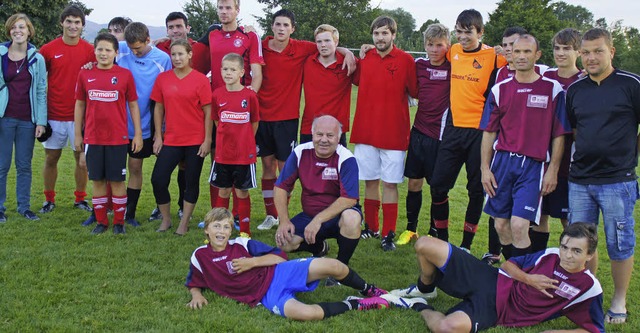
{"points": [[212, 270], [579, 296], [505, 72], [106, 93], [434, 84], [235, 112], [183, 100], [552, 73], [527, 116]]}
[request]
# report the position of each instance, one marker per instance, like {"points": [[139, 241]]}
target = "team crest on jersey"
{"points": [[244, 103], [238, 42], [537, 101], [438, 74], [330, 174], [114, 80], [476, 64], [392, 68], [230, 267]]}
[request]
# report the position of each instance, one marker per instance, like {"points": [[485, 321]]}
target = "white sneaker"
{"points": [[413, 291], [268, 223], [402, 302]]}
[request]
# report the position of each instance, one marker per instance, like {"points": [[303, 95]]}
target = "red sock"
{"points": [[119, 208], [267, 195], [100, 209], [50, 196], [109, 197], [213, 192], [80, 195], [389, 218], [371, 214], [222, 202], [244, 210]]}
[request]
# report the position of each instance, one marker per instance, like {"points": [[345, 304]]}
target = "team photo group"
{"points": [[538, 143]]}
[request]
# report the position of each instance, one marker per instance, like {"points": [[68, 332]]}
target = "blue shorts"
{"points": [[519, 181], [616, 201], [289, 278], [329, 229]]}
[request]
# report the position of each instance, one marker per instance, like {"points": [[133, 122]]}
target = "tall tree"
{"points": [[45, 15], [352, 18], [201, 14], [573, 16], [537, 16], [406, 38]]}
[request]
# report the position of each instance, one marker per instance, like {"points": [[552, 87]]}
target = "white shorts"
{"points": [[375, 163], [63, 134]]}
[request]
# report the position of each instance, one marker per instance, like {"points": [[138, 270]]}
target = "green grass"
{"points": [[55, 276]]}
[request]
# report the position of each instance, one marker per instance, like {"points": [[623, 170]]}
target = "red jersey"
{"points": [[106, 93], [235, 112], [245, 44], [327, 91], [382, 111], [183, 100], [63, 65], [200, 60], [434, 83], [282, 79]]}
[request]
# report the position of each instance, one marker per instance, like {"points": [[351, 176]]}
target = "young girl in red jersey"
{"points": [[101, 94], [183, 106]]}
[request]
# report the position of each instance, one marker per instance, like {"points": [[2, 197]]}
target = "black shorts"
{"points": [[472, 280], [107, 162], [556, 203], [213, 137], [277, 138], [242, 177], [421, 157], [328, 229], [304, 138], [458, 146], [146, 151]]}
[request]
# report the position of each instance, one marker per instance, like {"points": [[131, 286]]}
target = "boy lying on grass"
{"points": [[253, 273]]}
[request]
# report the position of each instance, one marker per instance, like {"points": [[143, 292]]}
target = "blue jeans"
{"points": [[22, 134], [616, 201]]}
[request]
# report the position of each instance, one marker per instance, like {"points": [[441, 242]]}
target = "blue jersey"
{"points": [[145, 69]]}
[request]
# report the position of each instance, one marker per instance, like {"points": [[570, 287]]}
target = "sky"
{"points": [[153, 12]]}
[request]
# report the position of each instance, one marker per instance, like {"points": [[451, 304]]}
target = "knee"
{"points": [[389, 186], [425, 245], [350, 221], [447, 325]]}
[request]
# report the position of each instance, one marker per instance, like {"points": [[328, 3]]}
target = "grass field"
{"points": [[56, 277]]}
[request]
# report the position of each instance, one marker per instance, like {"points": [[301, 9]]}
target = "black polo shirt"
{"points": [[605, 118]]}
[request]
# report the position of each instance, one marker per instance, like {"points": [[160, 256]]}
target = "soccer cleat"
{"points": [[387, 242], [3, 217], [118, 229], [269, 222], [324, 251], [331, 282], [406, 237], [83, 205], [368, 233], [372, 291], [89, 221], [245, 235], [433, 232], [413, 291], [29, 215], [100, 228], [490, 258], [47, 207], [401, 302], [372, 303], [132, 222], [155, 215]]}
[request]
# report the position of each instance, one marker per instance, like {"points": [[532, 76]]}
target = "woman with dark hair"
{"points": [[23, 109]]}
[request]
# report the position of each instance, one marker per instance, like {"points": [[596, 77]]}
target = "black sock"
{"points": [[336, 308], [182, 185], [346, 247], [443, 234], [518, 252], [467, 239], [539, 240], [313, 248], [414, 203], [507, 251], [440, 212], [421, 307], [425, 288], [132, 202], [354, 281], [494, 239]]}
